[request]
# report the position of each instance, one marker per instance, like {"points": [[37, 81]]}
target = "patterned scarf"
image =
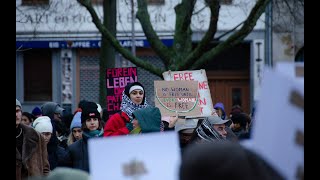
{"points": [[129, 107]]}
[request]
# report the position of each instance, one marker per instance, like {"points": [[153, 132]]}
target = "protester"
{"points": [[27, 118], [212, 128], [56, 153], [219, 107], [36, 112], [91, 126], [31, 150], [75, 129], [43, 125], [186, 129], [133, 98], [146, 120], [240, 125]]}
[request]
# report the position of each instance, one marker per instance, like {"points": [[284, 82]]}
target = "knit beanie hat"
{"points": [[42, 124], [76, 121], [36, 111], [89, 113], [18, 103]]}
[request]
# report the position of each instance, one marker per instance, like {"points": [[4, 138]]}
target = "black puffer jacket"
{"points": [[77, 156]]}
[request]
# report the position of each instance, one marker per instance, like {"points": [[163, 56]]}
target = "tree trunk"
{"points": [[107, 51]]}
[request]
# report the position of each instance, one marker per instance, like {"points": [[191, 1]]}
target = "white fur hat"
{"points": [[42, 124]]}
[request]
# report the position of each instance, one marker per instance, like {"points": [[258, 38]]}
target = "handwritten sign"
{"points": [[205, 101], [116, 80], [180, 97]]}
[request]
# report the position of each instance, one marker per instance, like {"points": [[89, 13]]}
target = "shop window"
{"points": [[37, 75]]}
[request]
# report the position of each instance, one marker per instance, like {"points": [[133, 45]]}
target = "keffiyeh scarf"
{"points": [[129, 107]]}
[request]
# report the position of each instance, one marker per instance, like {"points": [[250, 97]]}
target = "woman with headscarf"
{"points": [[133, 98]]}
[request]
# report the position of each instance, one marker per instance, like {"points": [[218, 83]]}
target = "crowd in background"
{"points": [[49, 140]]}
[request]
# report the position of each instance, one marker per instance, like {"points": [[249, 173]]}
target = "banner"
{"points": [[116, 80], [178, 97], [205, 101]]}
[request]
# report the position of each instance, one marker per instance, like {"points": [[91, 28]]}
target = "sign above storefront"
{"points": [[84, 43]]}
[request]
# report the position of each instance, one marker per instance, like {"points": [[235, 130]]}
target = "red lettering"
{"points": [[118, 91], [203, 102], [203, 85], [109, 72], [187, 76], [119, 72], [125, 71]]}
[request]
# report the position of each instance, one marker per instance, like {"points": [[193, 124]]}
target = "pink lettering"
{"points": [[203, 85], [187, 76], [203, 102]]}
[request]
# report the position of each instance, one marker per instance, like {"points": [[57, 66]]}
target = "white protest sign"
{"points": [[205, 101], [144, 157], [278, 127]]}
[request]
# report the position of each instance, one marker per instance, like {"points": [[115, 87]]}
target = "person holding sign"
{"points": [[133, 98]]}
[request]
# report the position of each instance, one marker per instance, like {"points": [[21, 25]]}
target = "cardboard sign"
{"points": [[135, 157], [177, 97], [205, 101], [278, 127], [116, 81]]}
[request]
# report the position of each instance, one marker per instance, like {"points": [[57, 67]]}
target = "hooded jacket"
{"points": [[149, 119], [220, 105]]}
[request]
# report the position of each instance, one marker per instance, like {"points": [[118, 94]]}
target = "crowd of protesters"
{"points": [[48, 140]]}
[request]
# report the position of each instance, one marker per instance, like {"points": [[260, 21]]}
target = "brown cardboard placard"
{"points": [[177, 97]]}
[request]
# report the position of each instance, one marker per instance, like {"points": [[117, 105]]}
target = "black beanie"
{"points": [[128, 86], [89, 113], [88, 105]]}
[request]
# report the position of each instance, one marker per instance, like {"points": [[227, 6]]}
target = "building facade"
{"points": [[57, 57]]}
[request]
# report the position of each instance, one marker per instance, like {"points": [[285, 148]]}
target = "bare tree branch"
{"points": [[125, 53], [182, 44], [214, 6], [237, 37], [156, 44]]}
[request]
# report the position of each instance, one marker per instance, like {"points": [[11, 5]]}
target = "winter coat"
{"points": [[78, 152], [149, 119], [116, 125], [34, 157], [78, 156]]}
